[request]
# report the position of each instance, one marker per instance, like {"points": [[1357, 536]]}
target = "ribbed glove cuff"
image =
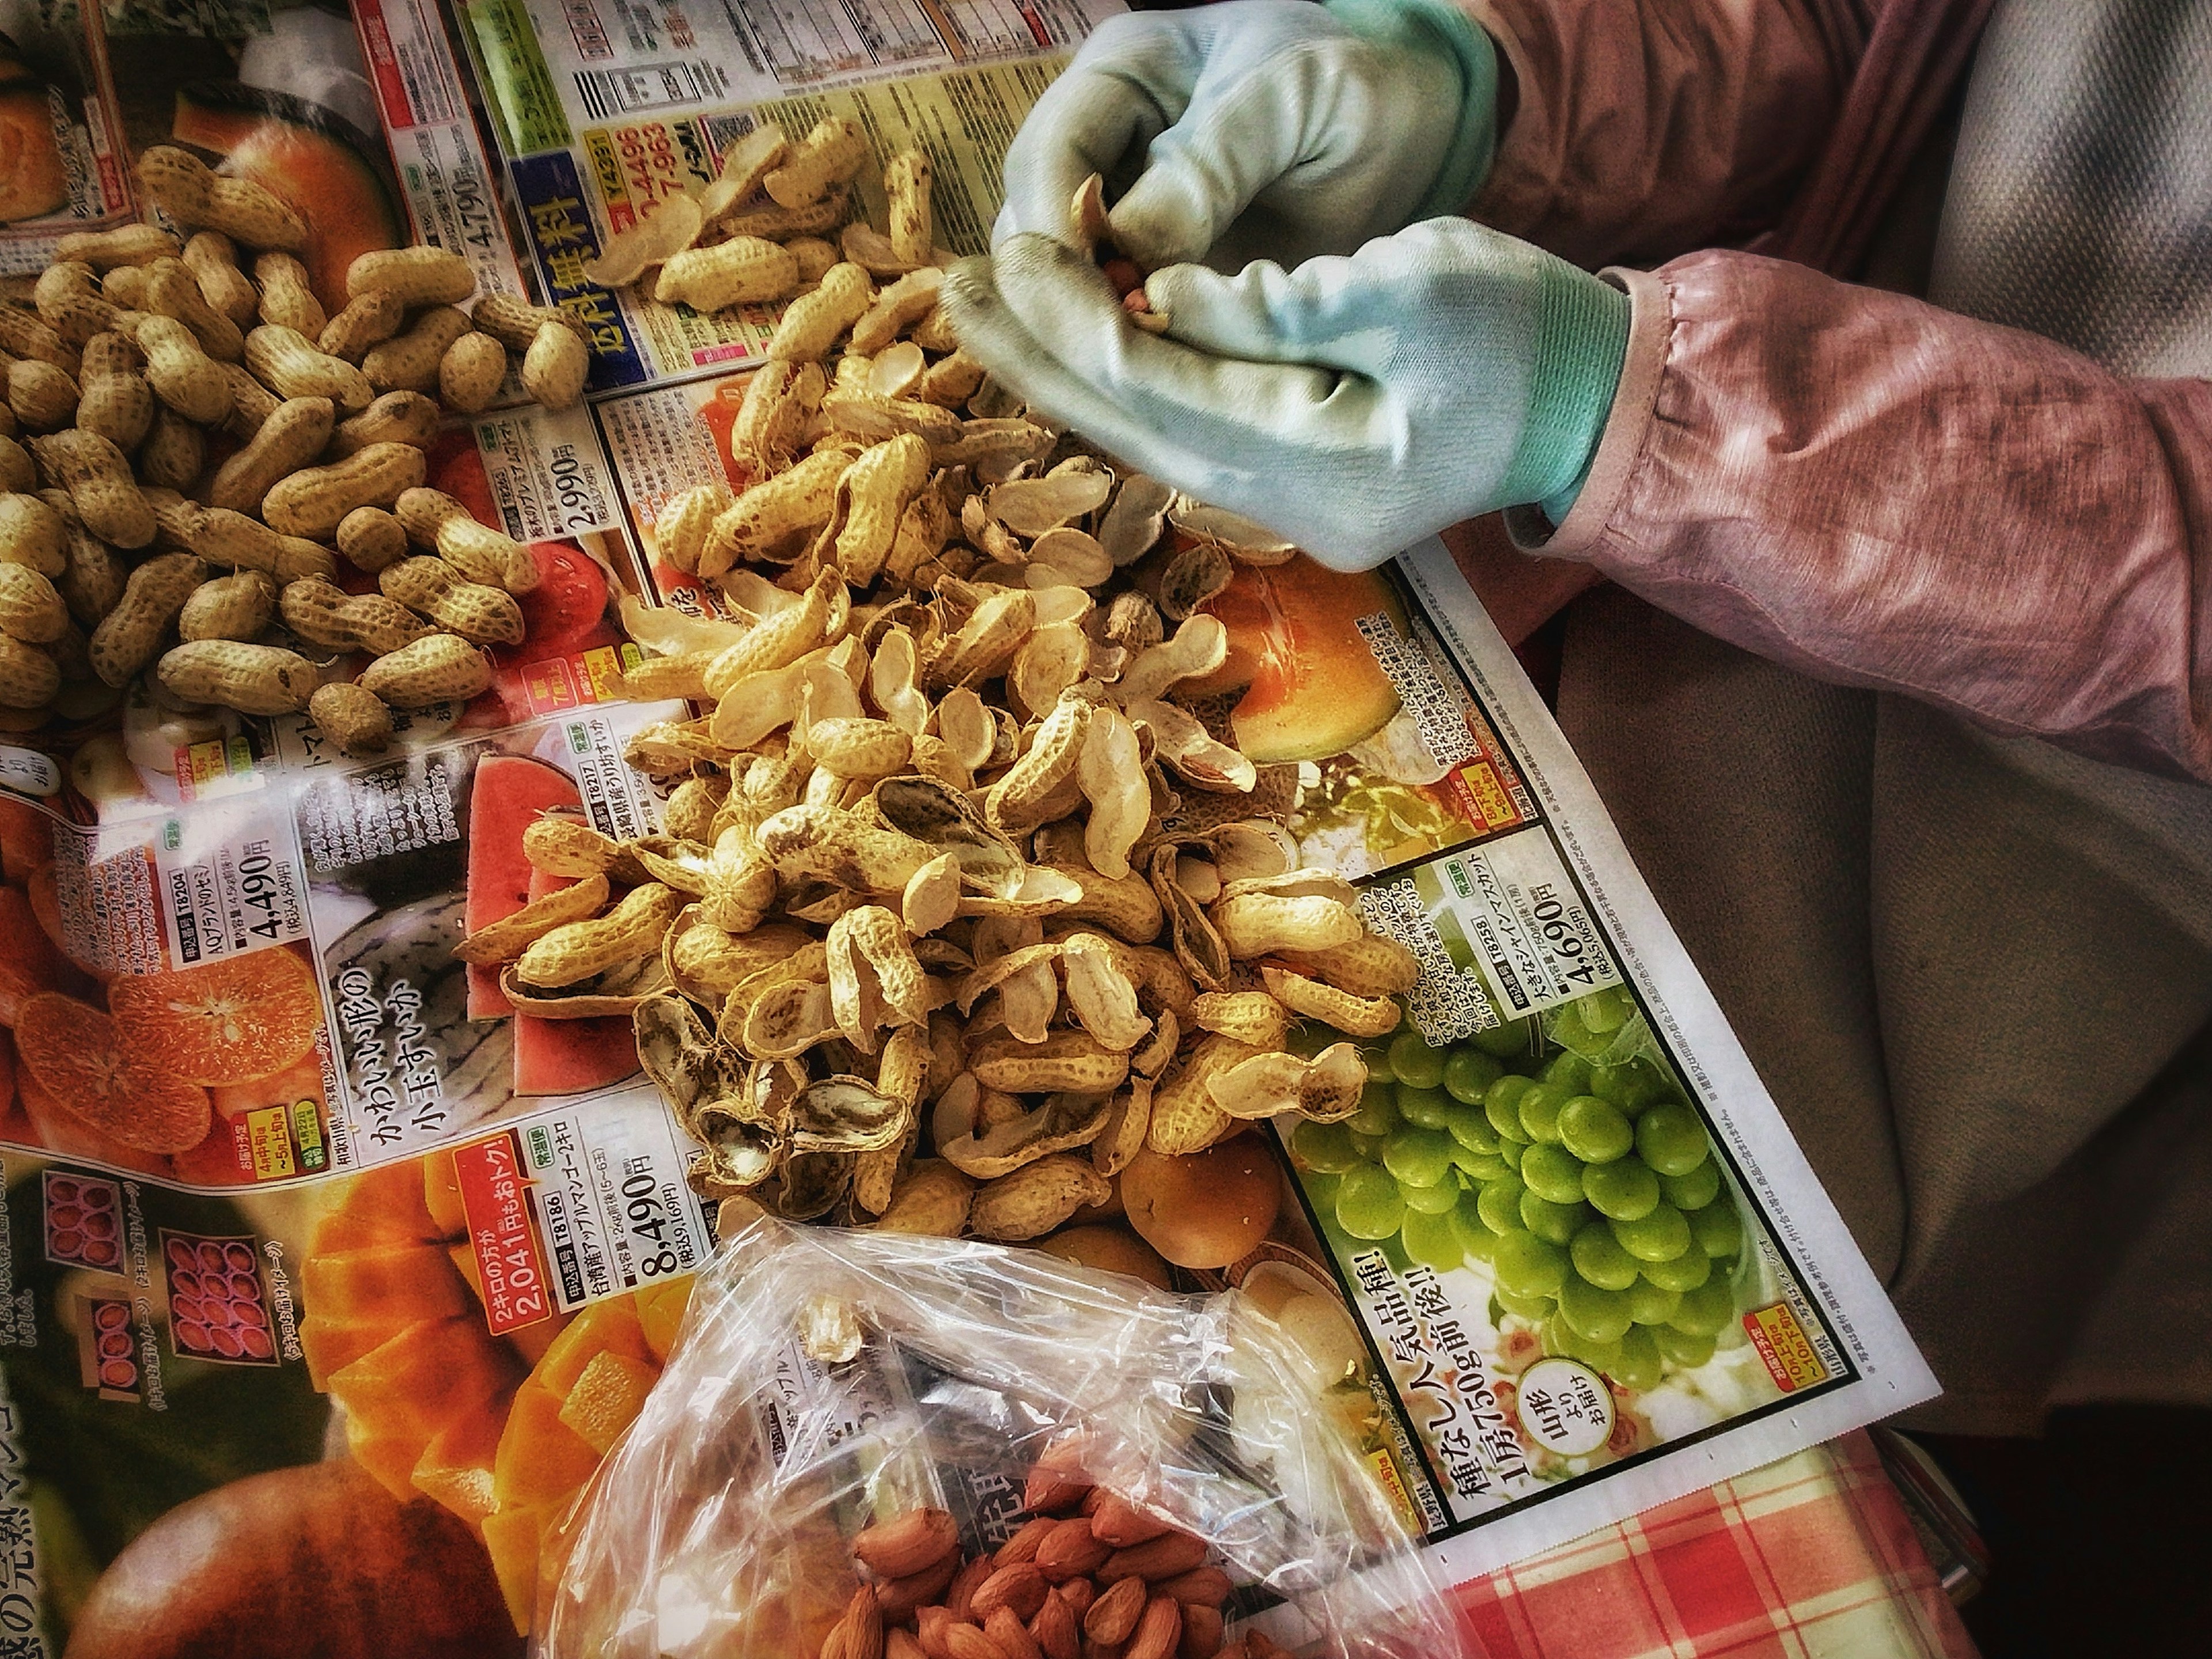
{"points": [[1440, 28], [1582, 340]]}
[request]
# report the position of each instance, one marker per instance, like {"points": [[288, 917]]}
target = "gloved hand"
{"points": [[1261, 129], [1353, 405]]}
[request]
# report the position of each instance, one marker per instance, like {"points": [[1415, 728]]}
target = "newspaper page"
{"points": [[605, 113], [451, 189], [62, 166], [306, 1224]]}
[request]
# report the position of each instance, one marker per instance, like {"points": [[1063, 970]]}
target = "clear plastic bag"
{"points": [[828, 1380]]}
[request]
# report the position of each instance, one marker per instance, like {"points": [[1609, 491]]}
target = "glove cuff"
{"points": [[1439, 28], [1582, 340]]}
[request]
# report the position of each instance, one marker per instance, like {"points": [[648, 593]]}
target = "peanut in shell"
{"points": [[437, 668]]}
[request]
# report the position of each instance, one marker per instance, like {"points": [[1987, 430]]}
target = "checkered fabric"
{"points": [[1811, 1558]]}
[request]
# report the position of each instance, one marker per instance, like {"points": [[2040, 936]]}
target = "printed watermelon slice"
{"points": [[566, 611], [509, 792], [571, 1056], [568, 1056]]}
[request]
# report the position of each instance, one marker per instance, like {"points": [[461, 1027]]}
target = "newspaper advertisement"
{"points": [[320, 1241], [604, 114], [65, 169]]}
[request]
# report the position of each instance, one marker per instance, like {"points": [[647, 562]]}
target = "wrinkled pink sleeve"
{"points": [[1646, 127], [1879, 493]]}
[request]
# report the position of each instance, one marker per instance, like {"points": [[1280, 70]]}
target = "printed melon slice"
{"points": [[660, 1307], [607, 1398], [1313, 687], [510, 1539], [441, 1195], [313, 161], [422, 1382], [455, 1469], [388, 1206], [510, 793], [566, 611], [542, 1462], [384, 1281], [331, 1345], [608, 1327]]}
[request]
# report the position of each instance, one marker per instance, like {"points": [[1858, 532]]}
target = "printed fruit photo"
{"points": [[34, 181], [231, 1022], [567, 612], [551, 1056], [311, 159], [1311, 686], [144, 1073], [319, 1560], [75, 1054], [501, 1432]]}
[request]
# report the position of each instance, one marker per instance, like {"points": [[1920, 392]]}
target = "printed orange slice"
{"points": [[228, 1022], [82, 1058], [29, 964]]}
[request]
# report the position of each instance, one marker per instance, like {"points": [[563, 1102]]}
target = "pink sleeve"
{"points": [[1879, 493], [1645, 127]]}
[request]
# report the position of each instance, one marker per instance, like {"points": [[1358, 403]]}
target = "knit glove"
{"points": [[1353, 405], [1261, 129]]}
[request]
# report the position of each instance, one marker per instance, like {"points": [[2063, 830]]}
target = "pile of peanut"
{"points": [[1092, 1576], [759, 234], [120, 547], [961, 900]]}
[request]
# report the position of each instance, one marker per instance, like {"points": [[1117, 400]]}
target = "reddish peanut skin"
{"points": [[1115, 1614], [966, 1642], [1011, 1635], [961, 1597], [1122, 1524], [859, 1633], [1206, 1586], [1167, 1557], [930, 1624], [907, 1543], [901, 1596], [1071, 1550], [1021, 1587], [1056, 1630], [1048, 1491], [1023, 1545], [1123, 274], [1158, 1631], [1078, 1593], [1201, 1633]]}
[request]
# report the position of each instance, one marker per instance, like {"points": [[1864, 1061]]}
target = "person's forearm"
{"points": [[1879, 493], [1645, 128]]}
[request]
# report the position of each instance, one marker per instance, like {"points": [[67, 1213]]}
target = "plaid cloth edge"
{"points": [[1810, 1557]]}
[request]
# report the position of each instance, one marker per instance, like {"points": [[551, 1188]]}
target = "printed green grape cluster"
{"points": [[1591, 1191]]}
